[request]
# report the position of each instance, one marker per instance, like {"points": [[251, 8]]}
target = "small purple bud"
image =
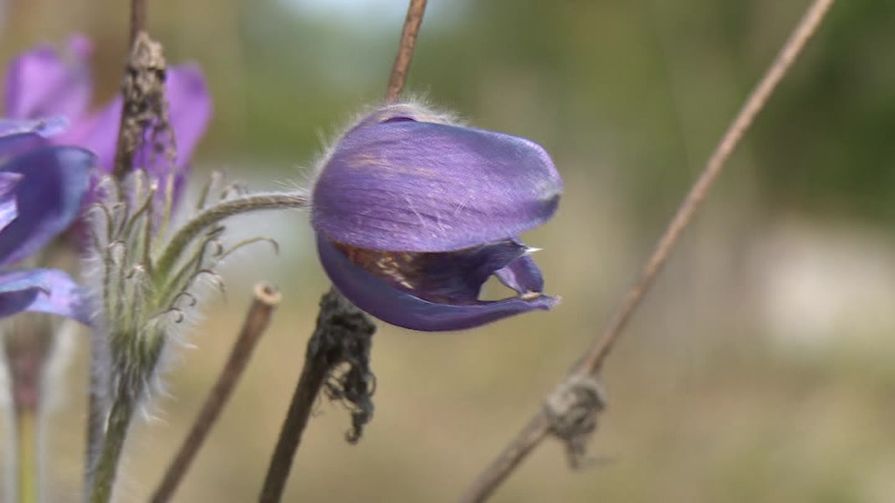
{"points": [[413, 214]]}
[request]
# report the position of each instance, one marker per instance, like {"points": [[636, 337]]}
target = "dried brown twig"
{"points": [[405, 49], [343, 336], [570, 411], [138, 18], [265, 302]]}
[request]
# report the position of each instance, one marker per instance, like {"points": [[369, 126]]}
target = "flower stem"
{"points": [[107, 465], [217, 213], [96, 409], [312, 377], [406, 49], [343, 335], [26, 447], [138, 18]]}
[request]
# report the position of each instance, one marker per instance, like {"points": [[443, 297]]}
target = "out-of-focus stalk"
{"points": [[26, 456]]}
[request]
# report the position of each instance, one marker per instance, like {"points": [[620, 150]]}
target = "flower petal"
{"points": [[522, 275], [41, 83], [398, 307], [190, 110], [44, 127], [8, 206], [454, 277], [418, 186], [42, 290], [48, 197], [190, 106], [97, 133]]}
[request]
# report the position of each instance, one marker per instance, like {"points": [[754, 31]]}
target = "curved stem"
{"points": [[217, 213]]}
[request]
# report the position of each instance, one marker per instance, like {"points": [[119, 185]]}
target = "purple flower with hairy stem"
{"points": [[42, 190], [414, 213], [44, 82]]}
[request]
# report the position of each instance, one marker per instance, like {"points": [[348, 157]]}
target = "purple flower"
{"points": [[414, 214], [42, 190], [42, 83]]}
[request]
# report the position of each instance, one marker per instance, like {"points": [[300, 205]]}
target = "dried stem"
{"points": [[257, 319], [343, 336], [144, 112], [405, 49], [138, 18], [542, 423], [312, 378]]}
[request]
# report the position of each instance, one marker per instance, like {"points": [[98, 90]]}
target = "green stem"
{"points": [[107, 465], [26, 431], [219, 212], [95, 415]]}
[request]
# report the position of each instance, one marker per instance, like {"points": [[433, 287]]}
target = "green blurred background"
{"points": [[759, 369]]}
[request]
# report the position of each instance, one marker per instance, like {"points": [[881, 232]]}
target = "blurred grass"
{"points": [[715, 394]]}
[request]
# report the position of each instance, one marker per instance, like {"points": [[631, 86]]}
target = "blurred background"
{"points": [[760, 367]]}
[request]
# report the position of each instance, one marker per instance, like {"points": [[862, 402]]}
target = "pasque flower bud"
{"points": [[413, 213]]}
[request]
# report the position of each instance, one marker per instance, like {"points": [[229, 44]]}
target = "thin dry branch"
{"points": [[266, 300], [138, 18], [544, 422], [343, 337], [405, 49]]}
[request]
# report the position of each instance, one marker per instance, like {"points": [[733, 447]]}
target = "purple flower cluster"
{"points": [[44, 82], [45, 181]]}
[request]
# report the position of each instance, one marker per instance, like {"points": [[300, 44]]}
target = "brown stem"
{"points": [[138, 18], [590, 364], [405, 49], [343, 336], [313, 375], [256, 321]]}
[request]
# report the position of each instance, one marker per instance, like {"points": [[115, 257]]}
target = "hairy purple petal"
{"points": [[399, 307], [427, 187], [49, 196], [42, 290], [41, 82], [522, 275]]}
